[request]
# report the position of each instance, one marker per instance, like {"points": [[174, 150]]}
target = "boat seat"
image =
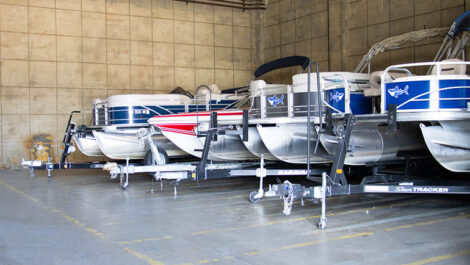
{"points": [[371, 92], [215, 89], [375, 79], [451, 69]]}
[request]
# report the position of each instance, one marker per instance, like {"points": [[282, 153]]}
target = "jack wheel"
{"points": [[148, 159], [252, 197], [124, 185], [322, 224]]}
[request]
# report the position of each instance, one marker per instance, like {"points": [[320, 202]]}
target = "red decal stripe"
{"points": [[200, 114], [178, 126], [178, 131]]}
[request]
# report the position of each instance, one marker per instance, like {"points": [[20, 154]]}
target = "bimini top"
{"points": [[397, 41], [462, 23], [282, 63]]}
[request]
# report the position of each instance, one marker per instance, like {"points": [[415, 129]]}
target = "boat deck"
{"points": [[83, 217]]}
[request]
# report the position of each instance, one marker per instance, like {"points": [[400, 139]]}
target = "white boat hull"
{"points": [[181, 130], [256, 146], [226, 148], [449, 144], [126, 145], [88, 145], [288, 142], [370, 143]]}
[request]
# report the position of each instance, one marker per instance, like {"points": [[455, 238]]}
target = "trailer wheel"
{"points": [[124, 185], [322, 224], [252, 197], [148, 159]]}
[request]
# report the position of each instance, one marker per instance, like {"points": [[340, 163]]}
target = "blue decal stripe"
{"points": [[120, 114], [454, 94]]}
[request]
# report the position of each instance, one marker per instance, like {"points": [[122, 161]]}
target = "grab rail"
{"points": [[320, 114], [197, 105], [98, 110]]}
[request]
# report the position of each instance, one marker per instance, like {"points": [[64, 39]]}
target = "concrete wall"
{"points": [[57, 56], [338, 33]]}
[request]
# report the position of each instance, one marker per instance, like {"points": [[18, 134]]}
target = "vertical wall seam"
{"points": [[414, 24], [194, 47], [174, 48], [233, 51], [1, 103], [1, 106], [106, 87], [29, 74], [56, 85], [328, 33], [151, 42], [213, 44], [82, 108], [389, 28], [440, 17], [130, 48]]}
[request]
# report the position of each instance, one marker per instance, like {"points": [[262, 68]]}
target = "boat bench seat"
{"points": [[372, 92], [451, 69], [375, 80]]}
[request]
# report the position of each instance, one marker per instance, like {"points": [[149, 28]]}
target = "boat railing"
{"points": [[208, 107], [289, 107], [434, 98], [320, 114], [100, 114]]}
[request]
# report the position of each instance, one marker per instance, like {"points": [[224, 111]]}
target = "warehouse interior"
{"points": [[59, 56]]}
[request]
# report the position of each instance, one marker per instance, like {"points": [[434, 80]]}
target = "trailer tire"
{"points": [[252, 197], [148, 159]]}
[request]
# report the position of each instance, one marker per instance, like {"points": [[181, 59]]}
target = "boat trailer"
{"points": [[332, 184], [203, 169], [179, 171], [64, 162], [336, 184]]}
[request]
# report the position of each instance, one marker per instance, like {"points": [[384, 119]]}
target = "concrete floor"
{"points": [[82, 217]]}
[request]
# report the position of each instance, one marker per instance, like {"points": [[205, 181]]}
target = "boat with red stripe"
{"points": [[182, 129]]}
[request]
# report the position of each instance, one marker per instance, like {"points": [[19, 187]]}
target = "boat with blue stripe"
{"points": [[430, 102], [118, 120], [440, 104]]}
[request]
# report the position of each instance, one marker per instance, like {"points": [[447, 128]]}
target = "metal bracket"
{"points": [[205, 152], [392, 117], [49, 167], [245, 126], [328, 121], [67, 138], [336, 173]]}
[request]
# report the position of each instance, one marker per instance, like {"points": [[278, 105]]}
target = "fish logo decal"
{"points": [[274, 101], [336, 96], [396, 91]]}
